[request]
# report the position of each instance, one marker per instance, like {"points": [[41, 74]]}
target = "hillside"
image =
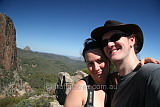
{"points": [[41, 68], [50, 62]]}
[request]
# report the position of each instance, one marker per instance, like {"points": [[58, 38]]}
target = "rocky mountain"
{"points": [[27, 48]]}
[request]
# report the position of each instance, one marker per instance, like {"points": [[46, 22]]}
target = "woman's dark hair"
{"points": [[90, 44]]}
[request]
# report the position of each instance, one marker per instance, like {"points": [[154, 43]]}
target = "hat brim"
{"points": [[128, 28]]}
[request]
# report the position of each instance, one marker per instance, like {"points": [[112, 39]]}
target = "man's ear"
{"points": [[132, 40]]}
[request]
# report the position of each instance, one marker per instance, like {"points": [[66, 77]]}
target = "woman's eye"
{"points": [[100, 61], [89, 63]]}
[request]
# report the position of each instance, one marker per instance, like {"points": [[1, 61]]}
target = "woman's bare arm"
{"points": [[77, 97]]}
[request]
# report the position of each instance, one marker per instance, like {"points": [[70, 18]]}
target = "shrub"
{"points": [[41, 102], [11, 101], [85, 70]]}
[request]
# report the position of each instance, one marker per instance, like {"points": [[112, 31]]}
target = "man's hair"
{"points": [[136, 45]]}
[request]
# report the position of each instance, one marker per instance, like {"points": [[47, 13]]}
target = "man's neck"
{"points": [[126, 65]]}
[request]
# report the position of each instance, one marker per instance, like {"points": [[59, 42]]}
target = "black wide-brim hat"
{"points": [[115, 25]]}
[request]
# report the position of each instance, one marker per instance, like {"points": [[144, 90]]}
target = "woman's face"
{"points": [[98, 65]]}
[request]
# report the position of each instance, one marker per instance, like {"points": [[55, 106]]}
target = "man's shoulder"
{"points": [[148, 69]]}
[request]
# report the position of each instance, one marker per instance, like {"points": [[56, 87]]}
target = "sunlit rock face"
{"points": [[8, 53]]}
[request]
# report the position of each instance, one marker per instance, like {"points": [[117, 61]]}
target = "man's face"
{"points": [[117, 48]]}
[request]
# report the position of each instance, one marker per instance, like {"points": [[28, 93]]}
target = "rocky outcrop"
{"points": [[55, 104], [12, 85], [66, 83], [27, 48], [8, 52], [65, 80], [78, 75]]}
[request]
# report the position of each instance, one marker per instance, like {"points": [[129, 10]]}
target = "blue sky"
{"points": [[61, 26]]}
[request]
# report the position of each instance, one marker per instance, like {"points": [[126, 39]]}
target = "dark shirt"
{"points": [[140, 88], [89, 82]]}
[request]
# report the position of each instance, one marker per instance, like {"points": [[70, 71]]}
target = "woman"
{"points": [[98, 66]]}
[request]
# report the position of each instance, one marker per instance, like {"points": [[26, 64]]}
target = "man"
{"points": [[139, 86]]}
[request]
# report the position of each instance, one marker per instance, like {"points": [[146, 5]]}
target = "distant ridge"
{"points": [[76, 58]]}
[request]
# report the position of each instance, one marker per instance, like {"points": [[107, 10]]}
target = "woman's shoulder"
{"points": [[80, 82], [78, 95], [80, 85], [89, 80]]}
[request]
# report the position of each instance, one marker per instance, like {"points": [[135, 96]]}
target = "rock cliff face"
{"points": [[8, 53], [10, 82]]}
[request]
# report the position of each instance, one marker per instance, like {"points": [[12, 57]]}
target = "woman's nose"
{"points": [[96, 66], [110, 44]]}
